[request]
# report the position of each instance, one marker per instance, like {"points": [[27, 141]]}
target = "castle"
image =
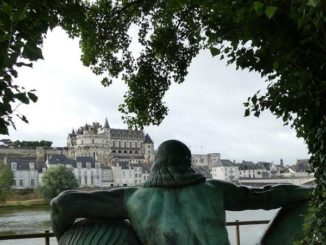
{"points": [[110, 146]]}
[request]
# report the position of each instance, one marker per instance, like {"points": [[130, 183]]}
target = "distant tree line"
{"points": [[17, 143]]}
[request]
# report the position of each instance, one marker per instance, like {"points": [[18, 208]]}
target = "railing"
{"points": [[237, 224], [46, 235]]}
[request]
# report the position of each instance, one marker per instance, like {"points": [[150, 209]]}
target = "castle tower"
{"points": [[148, 149]]}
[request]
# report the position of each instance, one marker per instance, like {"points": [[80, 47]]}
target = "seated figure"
{"points": [[175, 206]]}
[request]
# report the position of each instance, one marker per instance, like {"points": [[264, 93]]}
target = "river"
{"points": [[19, 221]]}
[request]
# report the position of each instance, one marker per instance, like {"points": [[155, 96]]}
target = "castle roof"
{"points": [[22, 163], [227, 163], [148, 139], [84, 160], [106, 123], [60, 159]]}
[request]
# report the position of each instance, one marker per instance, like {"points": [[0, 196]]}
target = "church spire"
{"points": [[106, 123]]}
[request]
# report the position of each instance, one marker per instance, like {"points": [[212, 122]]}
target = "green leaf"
{"points": [[22, 97], [214, 51], [259, 7], [32, 97], [312, 3], [32, 52], [270, 11], [6, 8], [247, 113]]}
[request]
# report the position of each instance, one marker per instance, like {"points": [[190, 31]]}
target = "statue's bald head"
{"points": [[172, 153]]}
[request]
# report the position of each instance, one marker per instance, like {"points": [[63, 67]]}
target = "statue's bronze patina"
{"points": [[175, 206]]}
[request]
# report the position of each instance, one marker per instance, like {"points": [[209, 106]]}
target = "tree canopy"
{"points": [[56, 180], [282, 40]]}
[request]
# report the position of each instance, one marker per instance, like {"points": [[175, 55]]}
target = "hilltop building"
{"points": [[109, 146]]}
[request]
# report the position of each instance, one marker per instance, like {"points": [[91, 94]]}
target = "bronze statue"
{"points": [[175, 206]]}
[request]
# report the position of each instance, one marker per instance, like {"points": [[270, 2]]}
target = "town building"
{"points": [[25, 172], [225, 170], [127, 174], [87, 171], [249, 169], [205, 160], [108, 145]]}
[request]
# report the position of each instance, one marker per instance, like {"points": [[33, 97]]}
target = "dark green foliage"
{"points": [[6, 182], [23, 26], [18, 143], [57, 179]]}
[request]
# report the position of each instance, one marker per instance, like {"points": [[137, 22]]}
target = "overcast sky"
{"points": [[205, 112]]}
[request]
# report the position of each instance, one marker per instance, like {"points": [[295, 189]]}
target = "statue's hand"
{"points": [[60, 219]]}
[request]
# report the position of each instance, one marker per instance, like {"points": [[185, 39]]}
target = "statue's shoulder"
{"points": [[218, 183]]}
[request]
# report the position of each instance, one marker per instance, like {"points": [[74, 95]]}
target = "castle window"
{"points": [[113, 143], [130, 144], [119, 151], [130, 151], [14, 182], [88, 165], [32, 182], [14, 166], [31, 165], [125, 144], [21, 182], [92, 141], [113, 151], [124, 151], [136, 152]]}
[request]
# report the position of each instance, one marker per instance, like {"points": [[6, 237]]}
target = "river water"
{"points": [[19, 221]]}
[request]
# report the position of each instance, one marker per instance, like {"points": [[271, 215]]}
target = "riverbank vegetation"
{"points": [[6, 182], [56, 180]]}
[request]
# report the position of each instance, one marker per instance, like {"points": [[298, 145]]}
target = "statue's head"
{"points": [[172, 166], [172, 153]]}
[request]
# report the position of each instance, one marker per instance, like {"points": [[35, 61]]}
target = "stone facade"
{"points": [[107, 145], [205, 160]]}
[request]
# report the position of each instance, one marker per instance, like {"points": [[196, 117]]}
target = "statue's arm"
{"points": [[239, 198], [70, 205]]}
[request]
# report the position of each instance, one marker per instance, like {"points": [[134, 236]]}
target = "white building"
{"points": [[25, 172], [87, 171], [126, 174], [225, 170], [258, 170], [251, 170]]}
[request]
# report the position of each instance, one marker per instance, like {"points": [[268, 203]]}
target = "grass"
{"points": [[24, 203]]}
